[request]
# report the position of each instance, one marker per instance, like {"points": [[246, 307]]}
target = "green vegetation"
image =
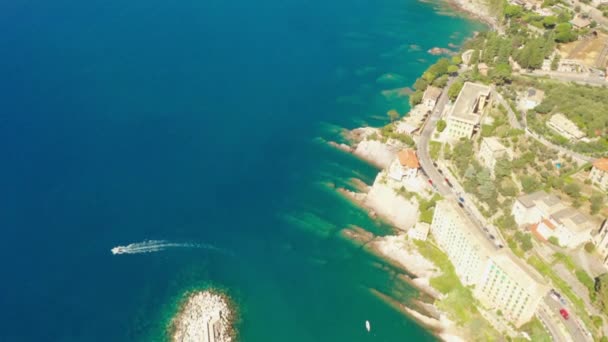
{"points": [[589, 247], [441, 125], [536, 331], [427, 208], [388, 132], [459, 301], [455, 89], [436, 75], [586, 106], [434, 149]]}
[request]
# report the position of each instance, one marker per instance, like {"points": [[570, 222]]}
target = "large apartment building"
{"points": [[499, 280], [465, 115]]}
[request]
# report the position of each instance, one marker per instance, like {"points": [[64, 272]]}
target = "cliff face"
{"points": [[383, 199]]}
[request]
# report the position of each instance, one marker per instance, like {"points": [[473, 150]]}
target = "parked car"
{"points": [[447, 182], [564, 313], [461, 205], [430, 181], [461, 199]]}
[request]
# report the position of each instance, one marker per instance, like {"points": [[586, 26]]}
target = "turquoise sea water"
{"points": [[197, 122]]}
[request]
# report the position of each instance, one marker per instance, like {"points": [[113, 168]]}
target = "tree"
{"points": [[392, 115], [420, 84], [573, 190], [501, 74], [589, 247], [550, 22], [455, 89], [506, 222], [441, 82], [453, 69], [416, 98], [529, 184], [553, 240], [441, 125], [597, 200], [555, 62], [513, 11], [564, 33]]}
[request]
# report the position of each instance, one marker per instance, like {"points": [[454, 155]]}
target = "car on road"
{"points": [[461, 205], [461, 199], [564, 313], [492, 237], [430, 181], [447, 182], [486, 229]]}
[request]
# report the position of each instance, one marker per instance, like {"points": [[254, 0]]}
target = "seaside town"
{"points": [[496, 180]]}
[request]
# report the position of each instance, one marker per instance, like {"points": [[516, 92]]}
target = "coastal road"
{"points": [[436, 177], [572, 324], [585, 78]]}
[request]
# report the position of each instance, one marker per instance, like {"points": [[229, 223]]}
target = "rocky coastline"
{"points": [[204, 316]]}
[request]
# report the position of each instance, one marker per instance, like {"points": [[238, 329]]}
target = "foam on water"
{"points": [[151, 246]]}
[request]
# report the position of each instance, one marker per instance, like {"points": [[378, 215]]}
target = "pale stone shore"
{"points": [[205, 316]]}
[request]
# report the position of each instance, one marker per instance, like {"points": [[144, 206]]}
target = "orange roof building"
{"points": [[405, 166], [599, 173], [408, 158]]}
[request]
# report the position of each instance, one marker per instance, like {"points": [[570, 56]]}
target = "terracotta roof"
{"points": [[536, 234], [408, 158], [601, 164], [549, 224]]}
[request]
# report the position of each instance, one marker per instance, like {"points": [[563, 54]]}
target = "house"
{"points": [[498, 279], [550, 217], [490, 151], [405, 166], [580, 23], [464, 116], [599, 173], [564, 127], [420, 231], [483, 68], [430, 96], [533, 98]]}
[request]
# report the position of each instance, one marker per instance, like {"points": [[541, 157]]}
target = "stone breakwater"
{"points": [[204, 316]]}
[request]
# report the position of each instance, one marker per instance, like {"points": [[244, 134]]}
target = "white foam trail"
{"points": [[151, 246]]}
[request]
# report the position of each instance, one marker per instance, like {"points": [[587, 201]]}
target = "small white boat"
{"points": [[368, 326]]}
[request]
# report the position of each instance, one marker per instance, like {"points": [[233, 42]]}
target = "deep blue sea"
{"points": [[198, 122]]}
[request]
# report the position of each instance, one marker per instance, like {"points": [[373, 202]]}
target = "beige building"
{"points": [[599, 173], [490, 151], [499, 280], [564, 127], [465, 115], [550, 217], [405, 166], [430, 96]]}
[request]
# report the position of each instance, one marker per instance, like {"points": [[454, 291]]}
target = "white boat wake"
{"points": [[151, 246]]}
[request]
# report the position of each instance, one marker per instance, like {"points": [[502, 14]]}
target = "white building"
{"points": [[550, 217], [564, 127], [467, 249], [465, 115], [420, 231], [601, 242], [430, 96], [490, 151], [511, 287], [405, 166], [499, 280], [599, 173]]}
